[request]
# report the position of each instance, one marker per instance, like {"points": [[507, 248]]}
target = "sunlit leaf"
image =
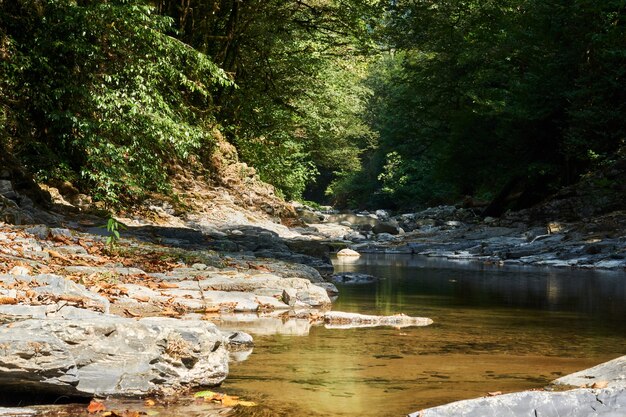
{"points": [[95, 407], [205, 394]]}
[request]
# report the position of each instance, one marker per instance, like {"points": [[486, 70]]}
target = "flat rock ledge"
{"points": [[342, 320], [611, 373], [85, 353], [607, 400], [182, 290]]}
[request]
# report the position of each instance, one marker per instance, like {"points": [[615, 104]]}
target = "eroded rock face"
{"points": [[109, 355]]}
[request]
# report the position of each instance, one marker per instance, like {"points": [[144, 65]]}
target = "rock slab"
{"points": [[343, 320], [610, 401], [612, 372], [108, 355], [575, 403]]}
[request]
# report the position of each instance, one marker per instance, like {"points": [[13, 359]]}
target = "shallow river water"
{"points": [[495, 329]]}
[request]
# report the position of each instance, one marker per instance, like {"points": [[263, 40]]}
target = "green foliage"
{"points": [[478, 94], [298, 66], [113, 227], [469, 95], [280, 161], [111, 96]]}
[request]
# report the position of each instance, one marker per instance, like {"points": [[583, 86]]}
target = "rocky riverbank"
{"points": [[460, 234], [160, 310], [143, 315]]}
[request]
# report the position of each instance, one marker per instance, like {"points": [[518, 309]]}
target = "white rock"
{"points": [[348, 252], [19, 270]]}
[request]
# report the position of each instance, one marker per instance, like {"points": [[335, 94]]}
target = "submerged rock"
{"points": [[353, 278]]}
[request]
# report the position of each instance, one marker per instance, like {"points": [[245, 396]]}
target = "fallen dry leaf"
{"points": [[228, 401], [149, 403], [130, 313], [494, 393], [57, 255], [170, 312], [165, 285], [224, 399], [72, 298], [95, 407], [8, 300], [262, 268]]}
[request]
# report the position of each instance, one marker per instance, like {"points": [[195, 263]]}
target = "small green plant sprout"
{"points": [[113, 227]]}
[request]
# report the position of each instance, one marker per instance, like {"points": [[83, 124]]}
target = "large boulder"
{"points": [[310, 216], [11, 213], [309, 247], [386, 227], [348, 253], [103, 355]]}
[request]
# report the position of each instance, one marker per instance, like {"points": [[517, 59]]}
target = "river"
{"points": [[495, 329]]}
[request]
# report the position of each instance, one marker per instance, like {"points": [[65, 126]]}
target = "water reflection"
{"points": [[461, 283], [262, 325], [496, 329]]}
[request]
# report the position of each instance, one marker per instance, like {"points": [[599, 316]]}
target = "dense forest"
{"points": [[364, 103]]}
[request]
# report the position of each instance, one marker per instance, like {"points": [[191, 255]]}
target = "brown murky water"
{"points": [[496, 329]]}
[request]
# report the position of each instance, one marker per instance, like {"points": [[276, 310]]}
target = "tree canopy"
{"points": [[475, 97], [398, 104]]}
